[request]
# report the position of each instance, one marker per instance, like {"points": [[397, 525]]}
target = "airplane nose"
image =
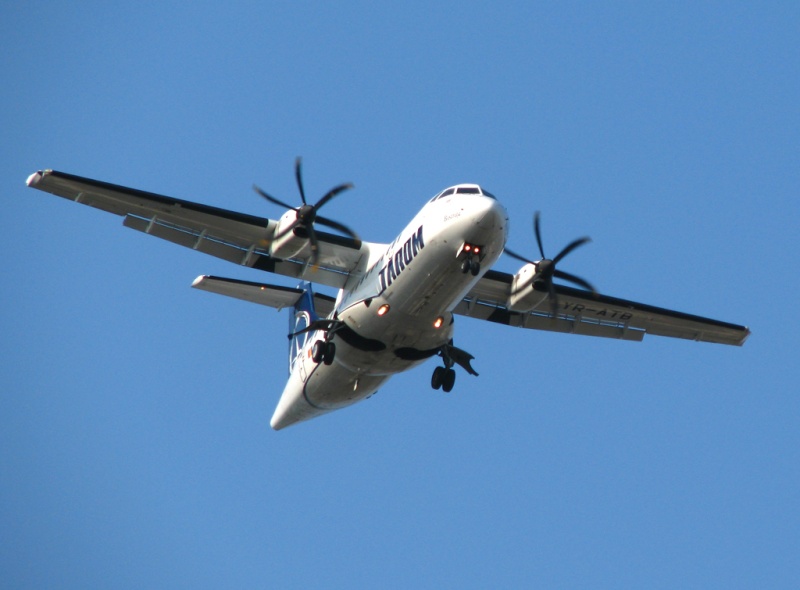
{"points": [[492, 215], [487, 226]]}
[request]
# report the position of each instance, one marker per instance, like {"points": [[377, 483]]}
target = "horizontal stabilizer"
{"points": [[275, 296]]}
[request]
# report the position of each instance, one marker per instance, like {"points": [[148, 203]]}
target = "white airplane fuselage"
{"points": [[397, 311]]}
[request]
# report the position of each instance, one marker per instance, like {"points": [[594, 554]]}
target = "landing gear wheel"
{"points": [[474, 267], [448, 380], [443, 378], [330, 352], [437, 379], [466, 265], [318, 351]]}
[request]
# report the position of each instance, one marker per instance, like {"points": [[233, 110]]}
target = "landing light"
{"points": [[437, 323], [471, 248], [383, 309]]}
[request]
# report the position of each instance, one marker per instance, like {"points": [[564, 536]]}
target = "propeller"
{"points": [[306, 215], [546, 267]]}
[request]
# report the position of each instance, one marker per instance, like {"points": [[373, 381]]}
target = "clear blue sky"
{"points": [[135, 449]]}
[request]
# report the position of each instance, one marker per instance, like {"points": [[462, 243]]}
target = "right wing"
{"points": [[237, 237], [582, 312]]}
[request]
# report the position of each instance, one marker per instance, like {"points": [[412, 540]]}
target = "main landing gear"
{"points": [[323, 352], [445, 377]]}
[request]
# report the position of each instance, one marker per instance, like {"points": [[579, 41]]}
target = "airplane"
{"points": [[396, 303]]}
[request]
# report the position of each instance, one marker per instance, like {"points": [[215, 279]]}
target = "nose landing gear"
{"points": [[471, 265], [472, 259]]}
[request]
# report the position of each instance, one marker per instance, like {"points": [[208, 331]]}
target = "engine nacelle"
{"points": [[523, 296], [288, 245]]}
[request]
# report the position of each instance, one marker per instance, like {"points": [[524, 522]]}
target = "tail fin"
{"points": [[304, 314]]}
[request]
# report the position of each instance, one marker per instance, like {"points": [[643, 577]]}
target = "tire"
{"points": [[448, 380], [318, 351], [330, 352], [438, 377], [466, 265], [475, 268]]}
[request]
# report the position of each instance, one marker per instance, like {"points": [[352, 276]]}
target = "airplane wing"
{"points": [[582, 312], [237, 237]]}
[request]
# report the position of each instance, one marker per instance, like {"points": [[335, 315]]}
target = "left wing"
{"points": [[582, 312], [237, 237]]}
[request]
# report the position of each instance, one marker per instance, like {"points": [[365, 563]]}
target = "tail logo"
{"points": [[302, 319]]}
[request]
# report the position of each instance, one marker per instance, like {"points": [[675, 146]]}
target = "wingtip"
{"points": [[34, 178], [199, 281], [747, 333]]}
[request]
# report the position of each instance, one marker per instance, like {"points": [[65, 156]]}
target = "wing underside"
{"points": [[581, 312], [236, 237]]}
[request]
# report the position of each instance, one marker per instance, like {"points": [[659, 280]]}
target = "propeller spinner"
{"points": [[546, 267], [306, 214]]}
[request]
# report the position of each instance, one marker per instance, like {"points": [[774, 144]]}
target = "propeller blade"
{"points": [[573, 279], [538, 233], [299, 176], [551, 290], [546, 268], [340, 226], [517, 256], [312, 238], [272, 199], [306, 215], [570, 247], [332, 193]]}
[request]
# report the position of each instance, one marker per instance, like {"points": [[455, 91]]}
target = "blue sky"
{"points": [[135, 448]]}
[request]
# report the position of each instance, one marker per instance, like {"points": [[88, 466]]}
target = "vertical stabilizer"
{"points": [[304, 313]]}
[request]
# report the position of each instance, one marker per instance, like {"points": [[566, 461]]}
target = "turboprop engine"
{"points": [[287, 243], [524, 293], [295, 229]]}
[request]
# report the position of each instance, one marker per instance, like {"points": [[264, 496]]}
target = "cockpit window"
{"points": [[464, 190]]}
